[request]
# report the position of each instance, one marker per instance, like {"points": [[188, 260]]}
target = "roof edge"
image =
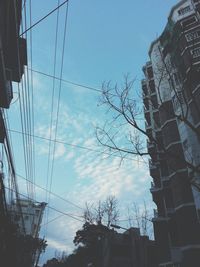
{"points": [[169, 17]]}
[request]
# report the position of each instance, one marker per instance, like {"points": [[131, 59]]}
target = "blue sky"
{"points": [[104, 40]]}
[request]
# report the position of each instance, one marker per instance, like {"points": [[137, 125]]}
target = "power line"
{"points": [[69, 215], [32, 89], [52, 109], [50, 192], [59, 96], [73, 83], [67, 81], [40, 20], [76, 146], [52, 208], [53, 220], [29, 102]]}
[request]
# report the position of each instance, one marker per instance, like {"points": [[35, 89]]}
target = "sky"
{"points": [[104, 41]]}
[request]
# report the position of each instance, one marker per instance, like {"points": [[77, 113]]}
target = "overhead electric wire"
{"points": [[52, 208], [59, 97], [52, 193], [11, 167], [76, 146], [29, 116], [76, 84], [9, 177], [66, 81], [19, 73], [23, 130], [54, 219], [32, 95], [22, 112], [43, 18], [26, 118], [52, 107], [67, 214]]}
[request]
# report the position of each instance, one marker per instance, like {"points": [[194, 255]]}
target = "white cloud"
{"points": [[70, 155], [99, 178], [58, 245], [60, 150]]}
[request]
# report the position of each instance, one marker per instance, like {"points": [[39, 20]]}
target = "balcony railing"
{"points": [[170, 210], [152, 165], [145, 109], [148, 126], [150, 145], [155, 212]]}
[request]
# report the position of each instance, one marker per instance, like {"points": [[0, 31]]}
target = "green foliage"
{"points": [[90, 233]]}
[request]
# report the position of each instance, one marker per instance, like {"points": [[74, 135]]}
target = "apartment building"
{"points": [[13, 51], [171, 96]]}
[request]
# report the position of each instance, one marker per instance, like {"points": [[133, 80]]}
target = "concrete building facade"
{"points": [[32, 213], [128, 249], [13, 51], [171, 96]]}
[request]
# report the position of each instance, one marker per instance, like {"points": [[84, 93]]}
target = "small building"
{"points": [[32, 213], [128, 249]]}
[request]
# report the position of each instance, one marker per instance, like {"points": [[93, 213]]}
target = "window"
{"points": [[150, 72], [189, 21], [184, 10], [196, 52], [185, 144], [171, 83], [152, 86], [176, 78], [17, 218], [37, 212], [177, 100], [144, 88], [26, 217], [192, 36]]}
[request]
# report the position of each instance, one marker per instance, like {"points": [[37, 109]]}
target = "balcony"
{"points": [[13, 54], [151, 147], [144, 88], [159, 217], [147, 116], [146, 103], [170, 211], [5, 85], [154, 169], [13, 46], [155, 213], [148, 126], [2, 129], [146, 110], [154, 188], [153, 165]]}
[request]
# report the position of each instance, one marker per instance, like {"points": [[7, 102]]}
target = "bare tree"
{"points": [[127, 111], [140, 217], [111, 210], [105, 212], [88, 213]]}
